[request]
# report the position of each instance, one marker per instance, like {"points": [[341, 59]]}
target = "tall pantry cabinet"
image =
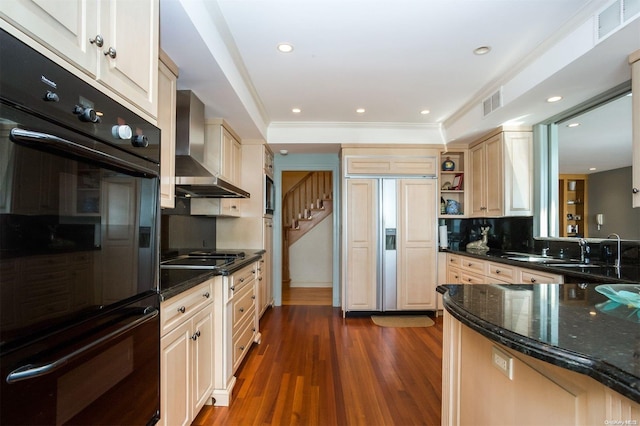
{"points": [[378, 182]]}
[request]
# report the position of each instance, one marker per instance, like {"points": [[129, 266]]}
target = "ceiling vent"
{"points": [[615, 16], [492, 103]]}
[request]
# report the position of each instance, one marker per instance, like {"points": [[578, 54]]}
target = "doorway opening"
{"points": [[307, 237]]}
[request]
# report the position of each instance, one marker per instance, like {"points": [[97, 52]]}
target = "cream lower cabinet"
{"points": [[502, 174], [236, 327], [186, 355], [114, 42], [415, 240], [470, 270]]}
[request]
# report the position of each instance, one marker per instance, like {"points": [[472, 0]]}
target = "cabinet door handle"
{"points": [[97, 40], [111, 52], [242, 348], [241, 309], [635, 190], [232, 288], [195, 335], [253, 297], [206, 295], [182, 309]]}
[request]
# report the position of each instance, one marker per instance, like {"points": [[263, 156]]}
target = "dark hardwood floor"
{"points": [[315, 368]]}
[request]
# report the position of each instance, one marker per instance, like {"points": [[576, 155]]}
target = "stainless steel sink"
{"points": [[577, 265], [534, 258]]}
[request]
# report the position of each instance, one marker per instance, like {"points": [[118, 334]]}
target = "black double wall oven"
{"points": [[79, 261]]}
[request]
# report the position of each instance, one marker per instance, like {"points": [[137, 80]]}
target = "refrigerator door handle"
{"points": [[390, 239]]}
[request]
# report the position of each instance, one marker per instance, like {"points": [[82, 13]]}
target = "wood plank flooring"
{"points": [[307, 296], [314, 367]]}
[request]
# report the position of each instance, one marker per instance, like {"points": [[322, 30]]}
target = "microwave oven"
{"points": [[269, 195]]}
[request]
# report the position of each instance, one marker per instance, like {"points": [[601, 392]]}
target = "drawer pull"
{"points": [[253, 329], [469, 264], [195, 335], [206, 295], [241, 280], [241, 309], [498, 271], [533, 280], [182, 309], [232, 288]]}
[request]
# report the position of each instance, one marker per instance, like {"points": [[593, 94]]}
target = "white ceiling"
{"points": [[393, 58]]}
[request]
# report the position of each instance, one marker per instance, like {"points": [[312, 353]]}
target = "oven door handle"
{"points": [[31, 371], [66, 147]]}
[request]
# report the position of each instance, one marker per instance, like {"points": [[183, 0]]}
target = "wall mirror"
{"points": [[594, 146]]}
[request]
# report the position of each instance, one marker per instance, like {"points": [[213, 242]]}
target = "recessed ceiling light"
{"points": [[360, 110], [285, 47], [296, 110], [482, 50], [554, 99], [592, 168], [573, 124], [425, 112]]}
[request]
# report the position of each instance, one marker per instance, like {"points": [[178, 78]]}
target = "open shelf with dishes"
{"points": [[572, 191], [452, 183]]}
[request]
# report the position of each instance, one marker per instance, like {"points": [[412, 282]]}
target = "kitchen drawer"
{"points": [[502, 272], [182, 307], [528, 276], [80, 258], [242, 305], [454, 276], [454, 260], [240, 279], [242, 342], [471, 278], [473, 265], [47, 262]]}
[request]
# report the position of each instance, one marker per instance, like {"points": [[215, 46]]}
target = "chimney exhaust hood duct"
{"points": [[193, 178]]}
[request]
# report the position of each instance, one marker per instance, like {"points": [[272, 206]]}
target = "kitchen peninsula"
{"points": [[540, 354]]}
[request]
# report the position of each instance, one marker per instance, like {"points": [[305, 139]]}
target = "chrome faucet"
{"points": [[617, 263], [584, 249]]}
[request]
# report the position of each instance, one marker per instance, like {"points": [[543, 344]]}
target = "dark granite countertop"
{"points": [[569, 325], [175, 281], [601, 273]]}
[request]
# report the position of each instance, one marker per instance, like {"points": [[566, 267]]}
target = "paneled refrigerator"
{"points": [[390, 244]]}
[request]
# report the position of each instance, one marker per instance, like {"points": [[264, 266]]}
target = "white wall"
{"points": [[310, 258]]}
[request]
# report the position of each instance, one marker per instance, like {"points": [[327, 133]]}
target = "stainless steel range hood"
{"points": [[193, 178]]}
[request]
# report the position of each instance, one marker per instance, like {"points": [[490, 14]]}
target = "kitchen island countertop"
{"points": [[572, 326]]}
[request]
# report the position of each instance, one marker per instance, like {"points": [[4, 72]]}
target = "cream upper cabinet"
{"points": [[223, 150], [114, 42], [417, 245], [167, 81], [502, 174], [65, 27]]}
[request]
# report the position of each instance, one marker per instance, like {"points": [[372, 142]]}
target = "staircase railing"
{"points": [[304, 196]]}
